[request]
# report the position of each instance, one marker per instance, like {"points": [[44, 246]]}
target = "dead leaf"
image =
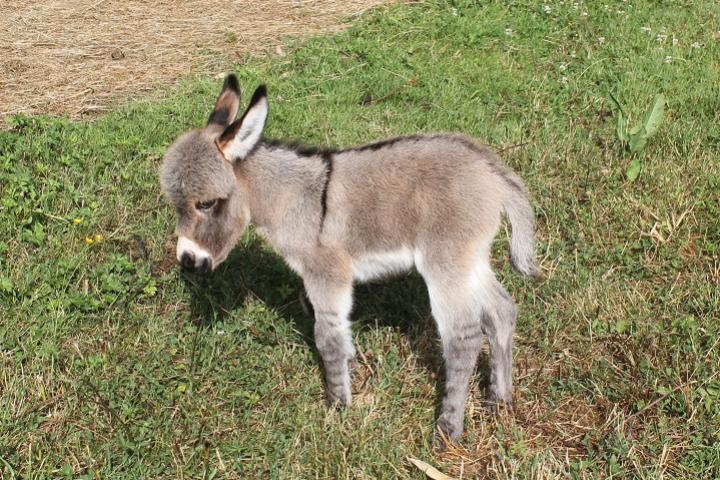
{"points": [[429, 470]]}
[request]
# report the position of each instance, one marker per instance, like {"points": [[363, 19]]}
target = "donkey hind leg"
{"points": [[461, 333], [499, 316], [333, 337]]}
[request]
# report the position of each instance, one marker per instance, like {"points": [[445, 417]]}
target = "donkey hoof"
{"points": [[338, 399], [448, 431], [353, 367], [496, 405]]}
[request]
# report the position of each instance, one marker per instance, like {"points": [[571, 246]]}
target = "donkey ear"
{"points": [[227, 103], [242, 135]]}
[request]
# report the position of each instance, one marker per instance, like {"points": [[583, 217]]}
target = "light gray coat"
{"points": [[433, 202]]}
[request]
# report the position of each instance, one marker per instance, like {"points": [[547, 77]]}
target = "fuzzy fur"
{"points": [[433, 202]]}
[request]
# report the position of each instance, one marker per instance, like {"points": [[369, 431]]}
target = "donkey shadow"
{"points": [[253, 271]]}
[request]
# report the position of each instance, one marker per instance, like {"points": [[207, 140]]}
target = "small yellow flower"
{"points": [[89, 240], [99, 238], [77, 221]]}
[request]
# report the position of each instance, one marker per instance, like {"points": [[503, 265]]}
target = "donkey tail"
{"points": [[522, 220]]}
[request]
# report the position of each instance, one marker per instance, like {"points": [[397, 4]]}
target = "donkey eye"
{"points": [[207, 205]]}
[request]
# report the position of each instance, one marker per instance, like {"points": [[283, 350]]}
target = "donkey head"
{"points": [[198, 177]]}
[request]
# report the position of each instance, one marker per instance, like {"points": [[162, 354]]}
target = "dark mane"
{"points": [[312, 151], [385, 143], [299, 148]]}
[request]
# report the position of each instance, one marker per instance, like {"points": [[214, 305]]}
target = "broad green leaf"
{"points": [[654, 115], [633, 170], [638, 141], [653, 118]]}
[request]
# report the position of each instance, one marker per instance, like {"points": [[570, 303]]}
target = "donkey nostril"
{"points": [[187, 260], [205, 265]]}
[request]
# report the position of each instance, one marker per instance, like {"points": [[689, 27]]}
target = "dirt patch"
{"points": [[75, 58]]}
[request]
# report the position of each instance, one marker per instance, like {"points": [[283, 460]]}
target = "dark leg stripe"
{"points": [[334, 383], [335, 367], [328, 324], [460, 348], [452, 389], [467, 367], [471, 336], [468, 327]]}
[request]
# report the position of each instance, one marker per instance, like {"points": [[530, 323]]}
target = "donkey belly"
{"points": [[371, 265]]}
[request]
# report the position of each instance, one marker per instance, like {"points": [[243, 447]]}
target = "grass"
{"points": [[115, 365]]}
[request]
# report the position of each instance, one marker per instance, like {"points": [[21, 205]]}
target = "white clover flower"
{"points": [[546, 8], [564, 79], [668, 59], [562, 67], [661, 37], [601, 40], [508, 32], [584, 14], [695, 45]]}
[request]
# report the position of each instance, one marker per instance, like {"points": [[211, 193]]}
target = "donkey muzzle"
{"points": [[192, 257]]}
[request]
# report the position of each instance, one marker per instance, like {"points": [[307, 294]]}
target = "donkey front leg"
{"points": [[332, 302]]}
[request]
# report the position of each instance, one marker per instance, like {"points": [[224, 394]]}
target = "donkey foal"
{"points": [[339, 216]]}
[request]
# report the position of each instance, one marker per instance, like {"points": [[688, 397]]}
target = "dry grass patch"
{"points": [[74, 58]]}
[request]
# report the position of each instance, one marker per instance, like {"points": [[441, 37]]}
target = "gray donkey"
{"points": [[339, 216]]}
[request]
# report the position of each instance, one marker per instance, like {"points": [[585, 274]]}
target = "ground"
{"points": [[78, 58], [113, 364]]}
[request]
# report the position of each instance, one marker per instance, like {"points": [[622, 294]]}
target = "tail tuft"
{"points": [[522, 243]]}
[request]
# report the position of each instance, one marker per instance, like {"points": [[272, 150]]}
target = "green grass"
{"points": [[114, 365]]}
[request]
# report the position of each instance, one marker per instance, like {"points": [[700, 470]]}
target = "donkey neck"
{"points": [[285, 194]]}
